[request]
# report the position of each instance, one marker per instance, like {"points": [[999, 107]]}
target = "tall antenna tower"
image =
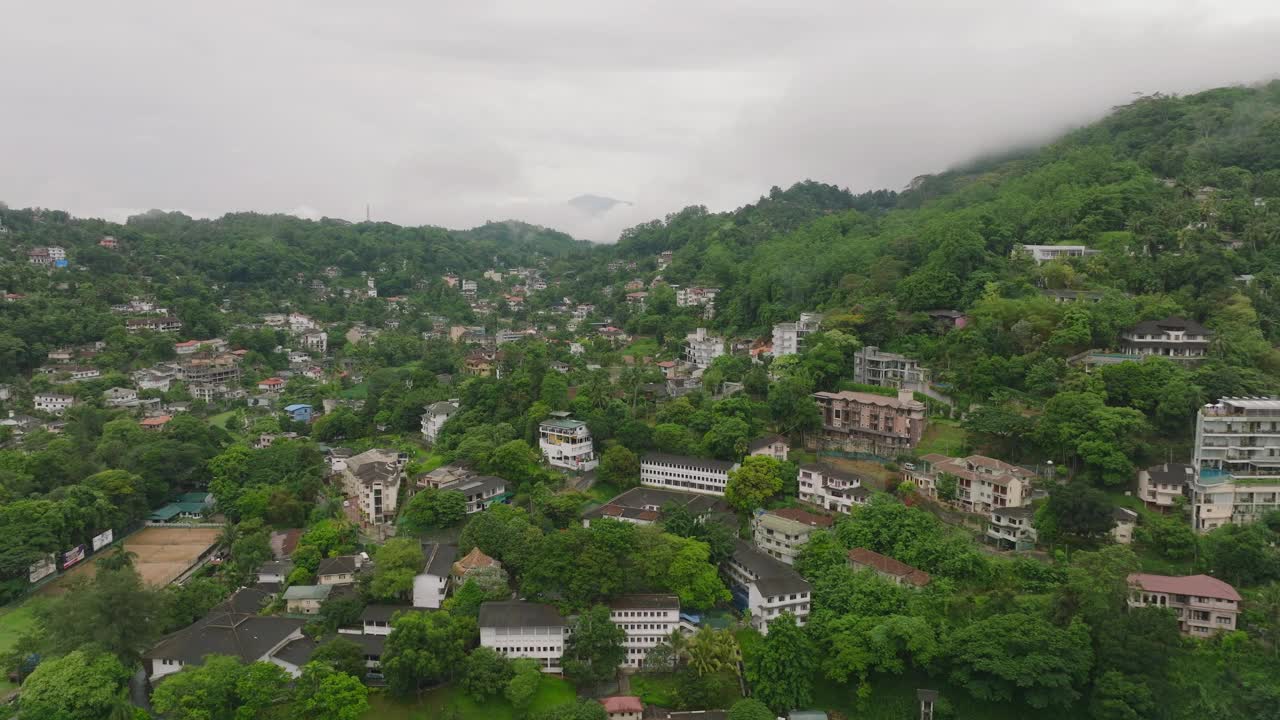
{"points": [[366, 212]]}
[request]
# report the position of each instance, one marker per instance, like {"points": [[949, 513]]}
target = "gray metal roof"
{"points": [[519, 613]]}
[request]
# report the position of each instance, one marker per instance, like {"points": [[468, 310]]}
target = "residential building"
{"points": [[212, 370], [982, 483], [647, 620], [637, 299], [701, 348], [436, 416], [155, 423], [1236, 456], [831, 489], [275, 572], [1011, 528], [643, 506], [1073, 296], [377, 619], [664, 259], [1203, 605], [373, 479], [1160, 486], [887, 568], [480, 491], [233, 627], [120, 397], [1174, 338], [162, 323], [431, 584], [340, 570], [774, 446], [691, 296], [866, 422], [1047, 253], [519, 629], [781, 533], [677, 472], [1126, 521], [765, 587], [316, 341], [788, 337], [298, 412], [306, 599], [566, 443], [623, 707], [871, 366], [39, 257], [474, 562], [53, 403], [271, 384]]}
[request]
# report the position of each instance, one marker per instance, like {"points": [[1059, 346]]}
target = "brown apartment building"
{"points": [[870, 423]]}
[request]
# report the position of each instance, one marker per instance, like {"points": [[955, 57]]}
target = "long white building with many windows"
{"points": [[648, 620], [519, 629], [677, 472]]}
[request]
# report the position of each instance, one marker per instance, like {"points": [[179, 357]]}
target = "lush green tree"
{"points": [[113, 612], [781, 671], [395, 564], [620, 467], [526, 676], [859, 645], [1075, 514], [323, 693], [1242, 554], [727, 438], [759, 479], [342, 655], [750, 709], [485, 673], [424, 649], [76, 686], [1020, 658], [432, 509], [593, 652]]}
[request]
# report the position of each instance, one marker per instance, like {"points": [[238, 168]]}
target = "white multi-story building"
{"points": [[1174, 338], [982, 483], [697, 296], [781, 533], [871, 366], [480, 491], [1010, 528], [566, 443], [701, 348], [373, 479], [831, 489], [435, 417], [765, 587], [648, 620], [1237, 461], [1160, 486], [1045, 253], [300, 323], [519, 629], [677, 472], [54, 403], [316, 341], [788, 337], [431, 584]]}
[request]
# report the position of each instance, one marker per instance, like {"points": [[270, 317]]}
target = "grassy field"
{"points": [[641, 347], [220, 420], [14, 621], [942, 436], [660, 689], [435, 704]]}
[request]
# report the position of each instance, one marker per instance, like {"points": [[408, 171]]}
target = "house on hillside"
{"points": [[871, 423], [888, 568], [1203, 605], [233, 627], [1174, 338], [520, 629]]}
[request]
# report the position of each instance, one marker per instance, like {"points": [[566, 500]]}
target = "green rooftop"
{"points": [[563, 424], [308, 592]]}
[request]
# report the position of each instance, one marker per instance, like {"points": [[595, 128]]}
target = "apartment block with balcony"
{"points": [[870, 423], [871, 366], [567, 443], [1236, 457], [1010, 528], [789, 337], [831, 489], [373, 479], [781, 533], [1174, 338], [1203, 605], [1160, 486], [701, 348], [647, 620], [765, 587], [983, 484]]}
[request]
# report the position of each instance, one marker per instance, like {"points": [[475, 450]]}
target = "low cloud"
{"points": [[452, 115]]}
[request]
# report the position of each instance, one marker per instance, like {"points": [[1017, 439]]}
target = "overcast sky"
{"points": [[453, 113]]}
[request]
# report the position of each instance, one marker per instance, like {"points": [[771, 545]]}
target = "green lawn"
{"points": [[14, 621], [641, 347], [433, 705], [942, 436], [221, 419]]}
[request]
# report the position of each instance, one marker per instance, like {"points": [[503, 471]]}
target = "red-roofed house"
{"points": [[271, 384], [623, 707], [1204, 605], [888, 568], [155, 424]]}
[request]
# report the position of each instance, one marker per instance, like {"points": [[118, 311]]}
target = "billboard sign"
{"points": [[72, 556], [103, 540], [42, 568]]}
